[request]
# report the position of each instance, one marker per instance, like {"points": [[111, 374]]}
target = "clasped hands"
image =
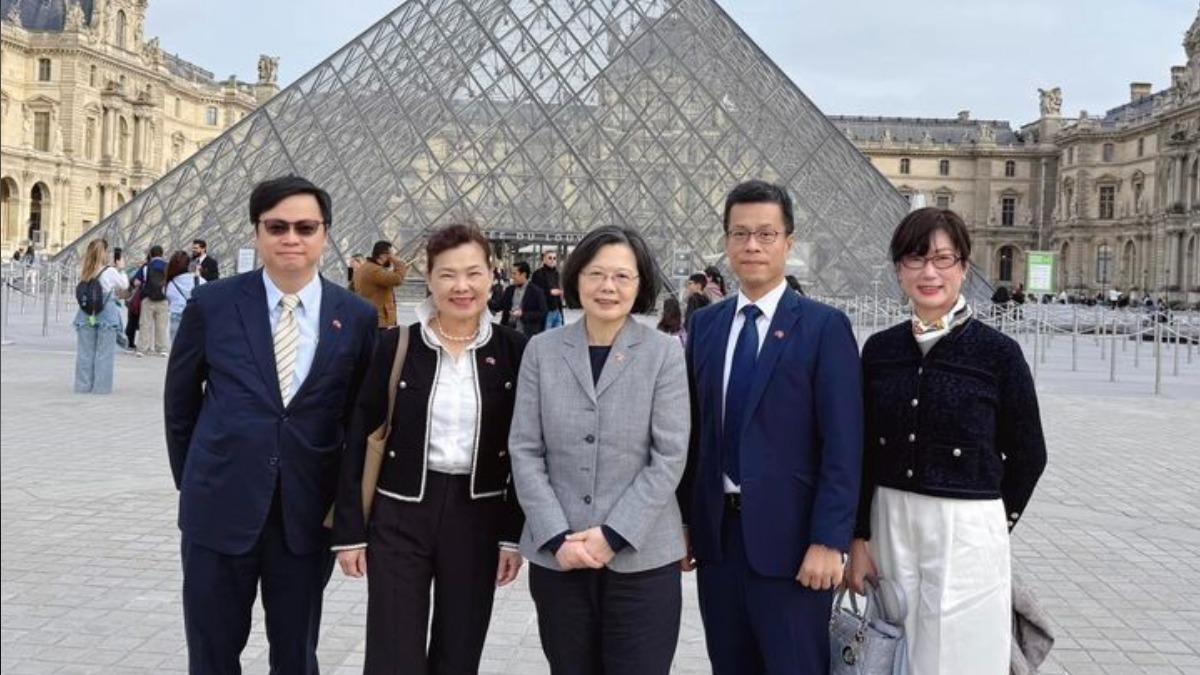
{"points": [[584, 550]]}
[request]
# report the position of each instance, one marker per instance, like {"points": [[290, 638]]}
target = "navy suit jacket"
{"points": [[229, 436], [801, 454]]}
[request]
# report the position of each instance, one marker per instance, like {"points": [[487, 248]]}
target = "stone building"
{"points": [[93, 113], [1115, 196]]}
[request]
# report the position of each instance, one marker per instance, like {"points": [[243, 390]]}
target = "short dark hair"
{"points": [[380, 248], [201, 243], [671, 319], [648, 281], [522, 267], [156, 251], [761, 192], [269, 193], [453, 236], [913, 233], [699, 278]]}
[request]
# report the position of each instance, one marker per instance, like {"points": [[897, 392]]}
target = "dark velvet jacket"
{"points": [[960, 422], [402, 474]]}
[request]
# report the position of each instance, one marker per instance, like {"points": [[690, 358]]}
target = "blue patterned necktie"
{"points": [[741, 374]]}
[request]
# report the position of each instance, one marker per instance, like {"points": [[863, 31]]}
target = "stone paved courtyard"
{"points": [[90, 574]]}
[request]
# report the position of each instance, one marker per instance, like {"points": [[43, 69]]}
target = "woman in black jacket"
{"points": [[953, 451], [444, 514]]}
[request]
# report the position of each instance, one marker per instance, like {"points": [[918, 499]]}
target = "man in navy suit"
{"points": [[260, 386], [772, 481]]}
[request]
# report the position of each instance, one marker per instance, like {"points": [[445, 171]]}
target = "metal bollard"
{"points": [[1037, 341], [46, 310], [1157, 357], [1175, 352], [1074, 345], [1137, 345], [1112, 354], [1103, 343]]}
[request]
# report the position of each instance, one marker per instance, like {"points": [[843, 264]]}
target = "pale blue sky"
{"points": [[928, 58]]}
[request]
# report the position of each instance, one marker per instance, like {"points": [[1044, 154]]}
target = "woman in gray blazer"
{"points": [[599, 441]]}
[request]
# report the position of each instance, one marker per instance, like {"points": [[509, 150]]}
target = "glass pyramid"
{"points": [[539, 120]]}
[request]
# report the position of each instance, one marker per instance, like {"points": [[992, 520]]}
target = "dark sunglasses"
{"points": [[303, 228]]}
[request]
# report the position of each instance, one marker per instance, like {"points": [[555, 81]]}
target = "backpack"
{"points": [[90, 296], [154, 287]]}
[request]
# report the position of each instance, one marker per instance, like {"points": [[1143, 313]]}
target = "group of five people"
{"points": [[603, 452]]}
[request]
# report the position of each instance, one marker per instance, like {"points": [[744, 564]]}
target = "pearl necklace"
{"points": [[453, 338]]}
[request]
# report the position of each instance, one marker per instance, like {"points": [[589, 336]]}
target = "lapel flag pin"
{"points": [[620, 357], [491, 361], [779, 335], [337, 325]]}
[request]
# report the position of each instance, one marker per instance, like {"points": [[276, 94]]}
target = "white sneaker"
{"points": [[139, 355]]}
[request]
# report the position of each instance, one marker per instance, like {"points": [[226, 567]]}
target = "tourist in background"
{"points": [[180, 283], [203, 264], [96, 329], [599, 443], [155, 311], [953, 451], [714, 286], [694, 297], [546, 278], [522, 306], [376, 280], [670, 321], [444, 514]]}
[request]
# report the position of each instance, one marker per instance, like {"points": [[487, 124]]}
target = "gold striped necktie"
{"points": [[287, 344]]}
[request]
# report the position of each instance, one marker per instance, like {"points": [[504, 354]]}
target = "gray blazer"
{"points": [[610, 454]]}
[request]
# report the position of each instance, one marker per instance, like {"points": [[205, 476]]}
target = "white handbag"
{"points": [[871, 641]]}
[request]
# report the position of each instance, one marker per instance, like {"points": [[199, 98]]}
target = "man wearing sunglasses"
{"points": [[259, 392]]}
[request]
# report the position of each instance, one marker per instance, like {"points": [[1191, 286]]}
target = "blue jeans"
{"points": [[95, 347], [554, 319]]}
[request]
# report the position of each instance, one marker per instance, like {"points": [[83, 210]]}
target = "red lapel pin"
{"points": [[620, 357], [779, 334], [491, 361], [337, 325]]}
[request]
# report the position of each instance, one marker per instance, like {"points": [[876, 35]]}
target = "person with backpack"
{"points": [[155, 310], [180, 283], [97, 321]]}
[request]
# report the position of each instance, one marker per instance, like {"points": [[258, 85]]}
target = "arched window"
{"points": [[1005, 264], [8, 209], [38, 198], [1010, 169], [1193, 265], [1103, 264], [120, 28], [1129, 264], [905, 166]]}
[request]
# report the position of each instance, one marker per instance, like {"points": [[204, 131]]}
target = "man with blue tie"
{"points": [[770, 492], [260, 387]]}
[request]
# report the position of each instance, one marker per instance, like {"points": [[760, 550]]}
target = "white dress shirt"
{"points": [[767, 304], [454, 405], [308, 318]]}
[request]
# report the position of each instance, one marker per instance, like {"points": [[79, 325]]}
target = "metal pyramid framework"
{"points": [[538, 120]]}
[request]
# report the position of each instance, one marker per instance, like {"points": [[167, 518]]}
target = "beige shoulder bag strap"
{"points": [[377, 441]]}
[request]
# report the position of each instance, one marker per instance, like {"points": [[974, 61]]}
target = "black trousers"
{"points": [[600, 622], [218, 599], [450, 541]]}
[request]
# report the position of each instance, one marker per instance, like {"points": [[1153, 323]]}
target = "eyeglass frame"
{"points": [[292, 226], [742, 237], [597, 277], [926, 259]]}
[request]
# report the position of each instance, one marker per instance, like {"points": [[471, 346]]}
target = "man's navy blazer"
{"points": [[229, 436], [801, 446]]}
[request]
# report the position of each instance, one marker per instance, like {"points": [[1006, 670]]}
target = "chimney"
{"points": [[1139, 91], [964, 115]]}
